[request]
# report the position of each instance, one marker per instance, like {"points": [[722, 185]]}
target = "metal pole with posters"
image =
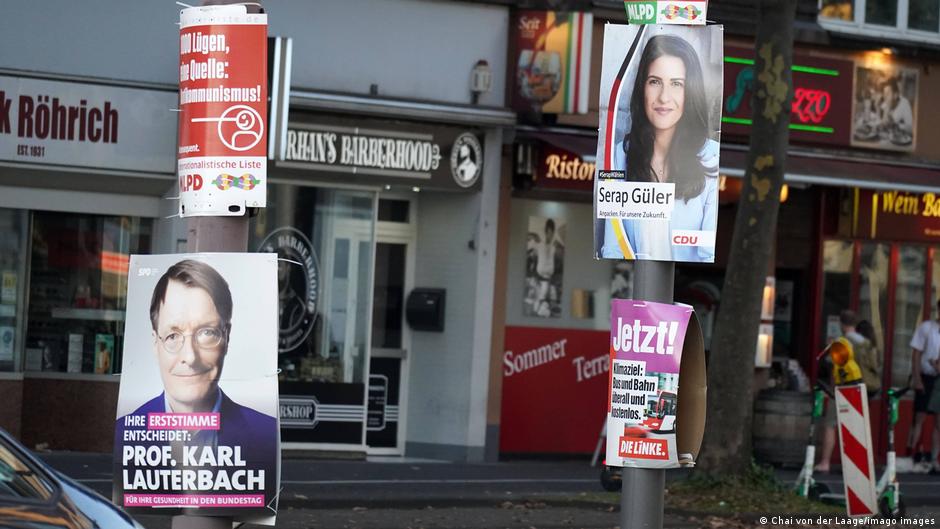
{"points": [[641, 500], [215, 234], [655, 203]]}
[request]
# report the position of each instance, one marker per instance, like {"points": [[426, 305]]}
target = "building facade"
{"points": [[372, 232], [855, 229]]}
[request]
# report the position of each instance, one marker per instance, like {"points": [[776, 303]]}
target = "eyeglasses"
{"points": [[203, 338]]}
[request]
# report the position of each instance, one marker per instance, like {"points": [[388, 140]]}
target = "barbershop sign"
{"points": [[387, 153], [86, 125]]}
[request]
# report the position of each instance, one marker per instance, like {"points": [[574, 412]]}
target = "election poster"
{"points": [[656, 191], [221, 159], [650, 343], [197, 423]]}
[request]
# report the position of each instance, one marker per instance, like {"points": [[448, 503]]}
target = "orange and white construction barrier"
{"points": [[858, 469]]}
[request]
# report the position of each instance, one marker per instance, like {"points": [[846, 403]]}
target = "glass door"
{"points": [[324, 238], [388, 371]]}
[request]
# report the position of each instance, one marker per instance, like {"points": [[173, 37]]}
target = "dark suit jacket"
{"points": [[255, 432]]}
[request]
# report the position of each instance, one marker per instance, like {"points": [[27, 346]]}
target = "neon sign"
{"points": [[810, 106], [822, 97]]}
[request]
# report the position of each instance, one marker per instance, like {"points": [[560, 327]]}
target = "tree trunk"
{"points": [[727, 445]]}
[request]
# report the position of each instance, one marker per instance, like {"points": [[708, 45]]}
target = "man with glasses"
{"points": [[191, 317]]}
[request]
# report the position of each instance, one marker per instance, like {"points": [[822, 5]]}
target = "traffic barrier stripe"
{"points": [[855, 437]]}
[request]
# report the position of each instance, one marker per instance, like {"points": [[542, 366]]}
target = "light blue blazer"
{"points": [[699, 213]]}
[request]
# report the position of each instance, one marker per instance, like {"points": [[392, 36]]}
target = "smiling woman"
{"points": [[667, 142]]}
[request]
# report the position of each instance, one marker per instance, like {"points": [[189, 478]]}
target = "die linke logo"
{"points": [[638, 448], [45, 117], [650, 339]]}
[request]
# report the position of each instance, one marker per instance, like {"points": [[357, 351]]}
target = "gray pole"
{"points": [[214, 234], [641, 501]]}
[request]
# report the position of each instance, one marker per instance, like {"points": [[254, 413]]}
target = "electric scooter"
{"points": [[890, 503], [805, 485]]}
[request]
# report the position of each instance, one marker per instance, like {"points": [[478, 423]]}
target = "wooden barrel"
{"points": [[781, 426]]}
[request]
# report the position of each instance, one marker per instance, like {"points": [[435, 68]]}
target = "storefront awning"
{"points": [[478, 116], [583, 146], [816, 169]]}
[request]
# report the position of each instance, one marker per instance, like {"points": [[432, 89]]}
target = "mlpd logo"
{"points": [[298, 278], [466, 159], [641, 12]]}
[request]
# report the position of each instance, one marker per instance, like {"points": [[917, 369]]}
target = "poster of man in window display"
{"points": [[884, 108], [545, 251]]}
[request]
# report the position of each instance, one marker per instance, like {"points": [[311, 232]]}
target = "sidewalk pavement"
{"points": [[407, 492]]}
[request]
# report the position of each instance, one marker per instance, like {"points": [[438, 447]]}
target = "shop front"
{"points": [[879, 258], [837, 149], [83, 167], [365, 213]]}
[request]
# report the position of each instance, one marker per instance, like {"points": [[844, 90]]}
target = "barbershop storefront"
{"points": [[370, 215], [82, 171], [365, 210]]}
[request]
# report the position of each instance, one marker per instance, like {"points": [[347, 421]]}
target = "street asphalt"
{"points": [[402, 492]]}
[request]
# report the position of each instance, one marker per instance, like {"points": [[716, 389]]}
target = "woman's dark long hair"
{"points": [[685, 169]]}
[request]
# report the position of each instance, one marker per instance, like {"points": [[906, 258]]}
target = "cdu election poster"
{"points": [[197, 426], [656, 191]]}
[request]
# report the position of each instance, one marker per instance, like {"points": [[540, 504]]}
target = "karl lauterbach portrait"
{"points": [[191, 317]]}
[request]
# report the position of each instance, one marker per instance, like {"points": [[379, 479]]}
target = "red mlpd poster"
{"points": [[221, 159]]}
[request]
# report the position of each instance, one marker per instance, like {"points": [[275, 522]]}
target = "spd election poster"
{"points": [[197, 423], [656, 191], [221, 159]]}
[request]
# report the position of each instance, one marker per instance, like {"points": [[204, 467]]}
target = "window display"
{"points": [[324, 238], [78, 283], [13, 231]]}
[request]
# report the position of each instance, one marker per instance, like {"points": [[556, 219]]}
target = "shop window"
{"points": [[394, 210], [838, 9], [908, 309], [934, 283], [883, 12], [873, 289], [924, 15], [914, 20], [325, 239], [13, 237], [837, 286], [77, 288]]}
